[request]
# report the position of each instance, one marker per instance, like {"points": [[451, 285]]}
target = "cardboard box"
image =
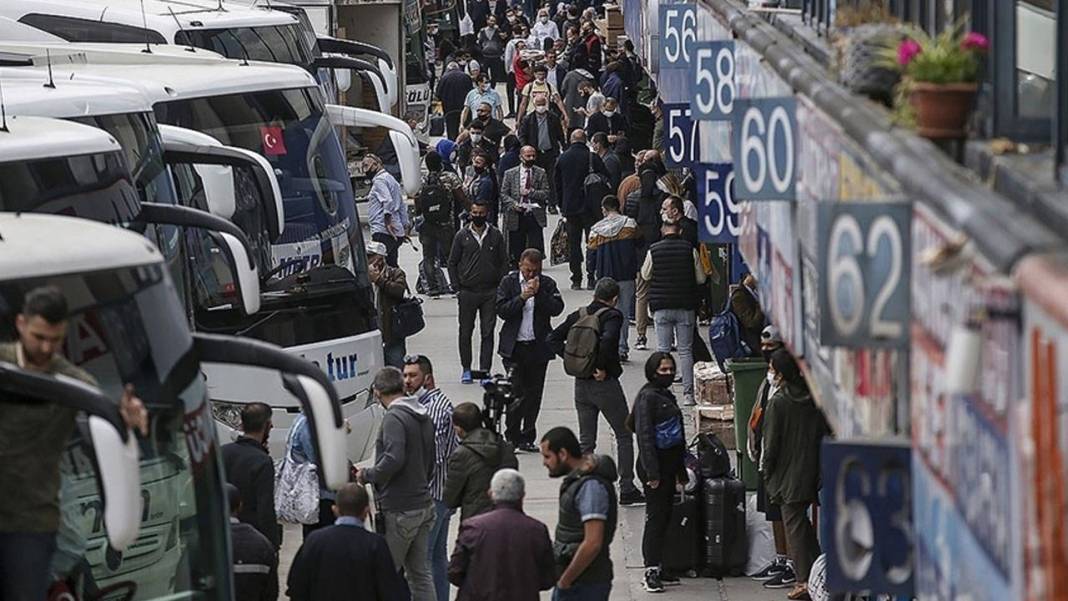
{"points": [[711, 386], [722, 429]]}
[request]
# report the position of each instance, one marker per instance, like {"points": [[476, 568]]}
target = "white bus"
{"points": [[127, 326]]}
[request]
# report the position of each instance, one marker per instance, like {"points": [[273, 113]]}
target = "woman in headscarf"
{"points": [[657, 422]]}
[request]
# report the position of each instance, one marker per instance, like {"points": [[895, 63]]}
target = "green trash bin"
{"points": [[747, 373]]}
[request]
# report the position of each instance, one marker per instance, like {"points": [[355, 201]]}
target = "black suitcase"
{"points": [[682, 546], [725, 541]]}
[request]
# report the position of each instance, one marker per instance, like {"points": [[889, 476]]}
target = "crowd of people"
{"points": [[557, 140]]}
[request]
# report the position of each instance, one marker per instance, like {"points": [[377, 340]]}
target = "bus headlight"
{"points": [[227, 413]]}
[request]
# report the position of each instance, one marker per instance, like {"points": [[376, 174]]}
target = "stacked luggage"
{"points": [[707, 526]]}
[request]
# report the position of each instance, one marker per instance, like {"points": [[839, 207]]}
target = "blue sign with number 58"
{"points": [[718, 216], [712, 88]]}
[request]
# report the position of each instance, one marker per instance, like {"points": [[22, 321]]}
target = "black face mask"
{"points": [[664, 380], [478, 220], [479, 169], [527, 163], [767, 355]]}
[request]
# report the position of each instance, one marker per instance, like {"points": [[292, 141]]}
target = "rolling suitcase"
{"points": [[724, 547], [682, 551]]}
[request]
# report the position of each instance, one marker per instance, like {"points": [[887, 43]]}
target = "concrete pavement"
{"points": [[439, 342]]}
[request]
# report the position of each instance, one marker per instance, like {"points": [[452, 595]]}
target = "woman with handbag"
{"points": [[656, 420], [391, 285]]}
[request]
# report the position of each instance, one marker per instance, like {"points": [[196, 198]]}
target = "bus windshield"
{"points": [[127, 326], [140, 140], [92, 186], [286, 44]]}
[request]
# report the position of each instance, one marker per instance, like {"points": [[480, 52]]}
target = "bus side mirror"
{"points": [[400, 134], [115, 450], [246, 277]]}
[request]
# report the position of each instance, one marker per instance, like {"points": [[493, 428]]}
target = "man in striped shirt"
{"points": [[419, 383]]}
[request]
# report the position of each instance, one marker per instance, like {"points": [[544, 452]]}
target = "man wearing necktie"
{"points": [[524, 195]]}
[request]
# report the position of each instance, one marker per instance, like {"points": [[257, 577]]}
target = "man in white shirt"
{"points": [[387, 213], [524, 196]]}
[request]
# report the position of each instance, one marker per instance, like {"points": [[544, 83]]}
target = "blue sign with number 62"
{"points": [[718, 215]]}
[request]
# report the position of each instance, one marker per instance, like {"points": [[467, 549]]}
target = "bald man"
{"points": [[580, 201]]}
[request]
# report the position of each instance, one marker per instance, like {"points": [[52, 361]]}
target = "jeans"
{"points": [[593, 398], [578, 227], [393, 353], [677, 326], [528, 381], [593, 591], [392, 247], [438, 550], [408, 538], [641, 305], [481, 302], [626, 306], [25, 559]]}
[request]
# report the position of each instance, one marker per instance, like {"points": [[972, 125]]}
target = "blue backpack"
{"points": [[725, 336]]}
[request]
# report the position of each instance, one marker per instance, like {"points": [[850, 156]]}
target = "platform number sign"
{"points": [[681, 136], [867, 524], [719, 218], [678, 33], [864, 273], [712, 89], [764, 147]]}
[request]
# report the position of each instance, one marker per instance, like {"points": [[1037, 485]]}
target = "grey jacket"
{"points": [[404, 457], [471, 467], [512, 194]]}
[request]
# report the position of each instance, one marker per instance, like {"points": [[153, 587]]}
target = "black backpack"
{"points": [[712, 457], [434, 202], [595, 187]]}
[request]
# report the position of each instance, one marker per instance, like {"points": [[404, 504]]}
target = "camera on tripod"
{"points": [[498, 398]]}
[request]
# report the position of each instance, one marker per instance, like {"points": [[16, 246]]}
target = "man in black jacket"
{"points": [[581, 212], [250, 469], [545, 132], [472, 465], [477, 262], [673, 210], [255, 560], [452, 91], [345, 562], [647, 214], [526, 301], [601, 393]]}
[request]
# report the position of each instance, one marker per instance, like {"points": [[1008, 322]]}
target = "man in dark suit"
{"points": [[345, 562], [526, 301], [603, 148], [524, 193], [545, 132], [254, 560], [250, 469], [452, 91], [581, 212]]}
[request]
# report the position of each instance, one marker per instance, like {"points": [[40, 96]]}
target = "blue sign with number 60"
{"points": [[764, 148], [718, 215]]}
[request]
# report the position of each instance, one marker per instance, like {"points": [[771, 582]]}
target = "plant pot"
{"points": [[942, 110]]}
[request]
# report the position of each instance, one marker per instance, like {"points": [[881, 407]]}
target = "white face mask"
{"points": [[541, 109], [771, 380], [476, 137], [543, 19], [609, 113]]}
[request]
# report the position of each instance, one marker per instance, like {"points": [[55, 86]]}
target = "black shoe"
{"points": [[528, 447], [553, 210], [651, 582], [576, 285], [669, 579], [631, 497], [774, 569], [785, 579], [590, 284], [624, 357]]}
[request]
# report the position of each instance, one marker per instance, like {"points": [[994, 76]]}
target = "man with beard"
{"points": [[249, 467], [587, 517]]}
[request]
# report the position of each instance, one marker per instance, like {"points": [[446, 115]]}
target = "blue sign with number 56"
{"points": [[718, 215]]}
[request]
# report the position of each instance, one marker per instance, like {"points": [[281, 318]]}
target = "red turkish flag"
{"points": [[273, 142]]}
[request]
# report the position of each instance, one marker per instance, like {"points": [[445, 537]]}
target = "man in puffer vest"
{"points": [[673, 269], [587, 520]]}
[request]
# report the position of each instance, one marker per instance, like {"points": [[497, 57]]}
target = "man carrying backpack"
{"points": [[440, 193], [588, 342]]}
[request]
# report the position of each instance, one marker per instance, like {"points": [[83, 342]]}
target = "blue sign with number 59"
{"points": [[712, 88], [718, 216]]}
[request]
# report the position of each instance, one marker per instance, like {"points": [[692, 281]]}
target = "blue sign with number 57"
{"points": [[718, 215], [764, 148], [712, 88], [682, 143]]}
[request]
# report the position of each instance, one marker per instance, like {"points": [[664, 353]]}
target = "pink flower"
{"points": [[975, 41], [907, 50]]}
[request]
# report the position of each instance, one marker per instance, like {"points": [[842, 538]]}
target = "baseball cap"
{"points": [[376, 248]]}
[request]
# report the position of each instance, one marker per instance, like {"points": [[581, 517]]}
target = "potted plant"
{"points": [[940, 77], [861, 31]]}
